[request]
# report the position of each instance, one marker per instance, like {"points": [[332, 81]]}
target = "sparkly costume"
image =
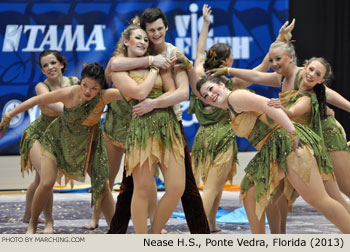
{"points": [[154, 135], [191, 200], [333, 133], [274, 150], [117, 121], [74, 140], [34, 131], [214, 144], [312, 120]]}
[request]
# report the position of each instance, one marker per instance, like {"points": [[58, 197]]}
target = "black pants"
{"points": [[191, 202]]}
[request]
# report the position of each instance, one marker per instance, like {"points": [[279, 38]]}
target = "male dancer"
{"points": [[155, 23]]}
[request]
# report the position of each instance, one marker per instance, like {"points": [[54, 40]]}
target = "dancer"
{"points": [[305, 108], [275, 159], [153, 138], [73, 144], [214, 150], [115, 129], [53, 65], [155, 23], [288, 75]]}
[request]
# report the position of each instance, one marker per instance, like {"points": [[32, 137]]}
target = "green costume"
{"points": [[333, 133], [34, 131], [152, 136], [75, 141], [274, 151], [117, 121], [214, 146], [312, 120]]}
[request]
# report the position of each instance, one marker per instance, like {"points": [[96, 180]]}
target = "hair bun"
{"points": [[135, 20]]}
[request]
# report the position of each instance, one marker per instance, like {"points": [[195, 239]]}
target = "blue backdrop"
{"points": [[87, 31]]}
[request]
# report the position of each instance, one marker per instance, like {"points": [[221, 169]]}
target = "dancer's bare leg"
{"points": [[212, 214], [143, 187], [115, 155], [341, 161], [315, 194], [212, 193], [43, 192], [283, 206], [107, 207], [333, 191], [29, 199], [35, 157], [48, 215], [174, 179], [257, 226], [273, 211]]}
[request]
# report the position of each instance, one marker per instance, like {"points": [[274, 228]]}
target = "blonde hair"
{"points": [[121, 49], [287, 47]]}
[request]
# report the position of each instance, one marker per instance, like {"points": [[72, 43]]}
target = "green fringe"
{"points": [[154, 123], [218, 137], [277, 148]]}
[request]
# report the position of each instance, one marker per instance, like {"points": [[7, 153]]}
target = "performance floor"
{"points": [[72, 211]]}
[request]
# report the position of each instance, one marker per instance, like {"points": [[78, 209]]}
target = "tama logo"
{"points": [[40, 36], [240, 45]]}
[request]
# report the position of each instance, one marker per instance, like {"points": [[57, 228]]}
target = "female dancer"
{"points": [[115, 130], [53, 66], [275, 159], [73, 144], [154, 137], [214, 150], [155, 23], [302, 106], [289, 76]]}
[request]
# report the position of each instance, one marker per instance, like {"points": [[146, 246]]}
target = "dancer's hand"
{"points": [[295, 141], [216, 72], [285, 32], [162, 62], [206, 10], [183, 62], [275, 102], [4, 124], [145, 106]]}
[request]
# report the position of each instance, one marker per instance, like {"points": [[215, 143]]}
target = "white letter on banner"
{"points": [[33, 113], [70, 40], [181, 24], [183, 44], [50, 38], [12, 38], [33, 32], [96, 37], [194, 31], [240, 46]]}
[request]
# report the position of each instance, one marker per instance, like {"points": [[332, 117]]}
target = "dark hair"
{"points": [[95, 72], [152, 14], [205, 79], [216, 55], [320, 88], [58, 56]]}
